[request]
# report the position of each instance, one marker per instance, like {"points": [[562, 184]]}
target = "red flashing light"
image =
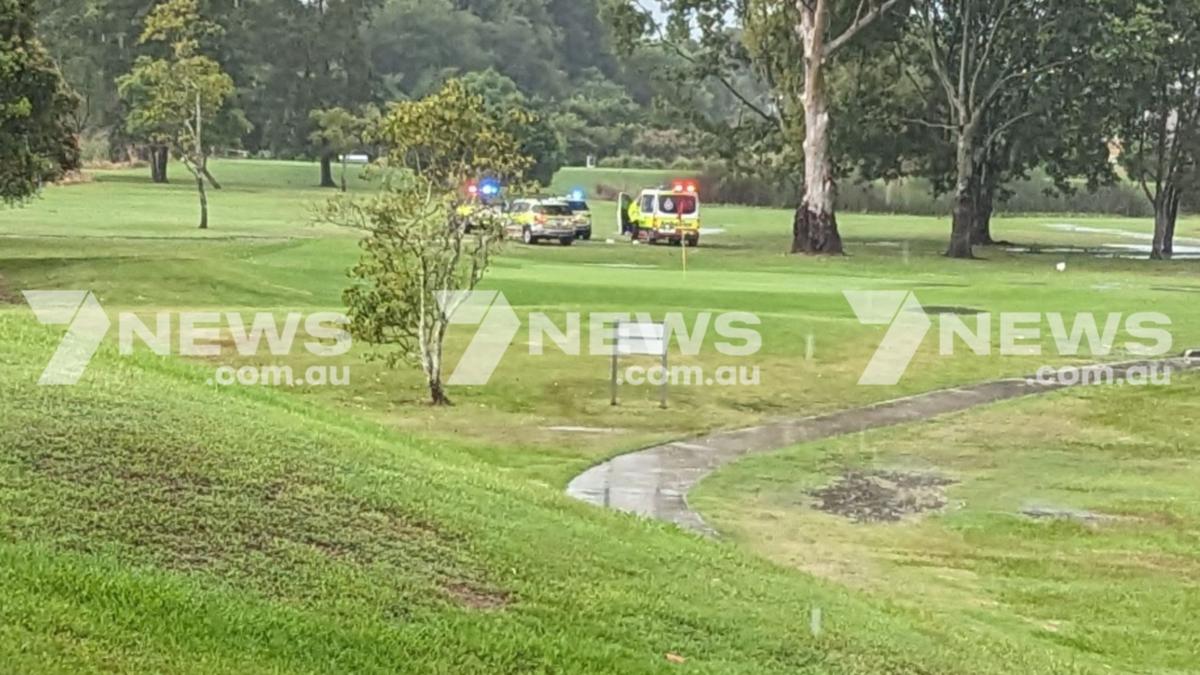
{"points": [[688, 186], [473, 189]]}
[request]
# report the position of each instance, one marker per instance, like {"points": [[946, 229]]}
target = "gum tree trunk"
{"points": [[815, 229], [198, 164], [963, 229], [159, 156], [1166, 213], [437, 393], [327, 171], [985, 196], [207, 174], [203, 200]]}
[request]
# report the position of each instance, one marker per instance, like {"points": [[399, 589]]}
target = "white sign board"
{"points": [[649, 339]]}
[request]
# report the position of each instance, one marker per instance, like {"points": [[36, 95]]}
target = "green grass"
{"points": [[147, 517], [140, 253], [151, 522], [1124, 591]]}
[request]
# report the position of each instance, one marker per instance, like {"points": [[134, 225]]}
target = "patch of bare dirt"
{"points": [[876, 496], [472, 596], [101, 164], [7, 295]]}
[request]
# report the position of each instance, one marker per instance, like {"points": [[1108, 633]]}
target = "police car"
{"points": [[577, 202], [534, 220]]}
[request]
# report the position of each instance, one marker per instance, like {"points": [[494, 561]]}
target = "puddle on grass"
{"points": [[940, 284], [937, 310], [1189, 251], [1057, 513], [584, 430], [876, 496], [1176, 289], [1110, 251]]}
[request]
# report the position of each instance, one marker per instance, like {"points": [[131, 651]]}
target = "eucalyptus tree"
{"points": [[1006, 81], [1156, 100], [793, 46]]}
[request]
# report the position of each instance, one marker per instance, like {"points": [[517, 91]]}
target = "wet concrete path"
{"points": [[655, 482]]}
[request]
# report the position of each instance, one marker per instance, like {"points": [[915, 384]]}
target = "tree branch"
{"points": [[860, 23], [720, 78]]}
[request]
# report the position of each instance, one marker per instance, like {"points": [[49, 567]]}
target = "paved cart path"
{"points": [[655, 482]]}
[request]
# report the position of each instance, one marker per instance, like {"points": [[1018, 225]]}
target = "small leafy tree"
{"points": [[417, 251], [175, 101], [37, 139], [339, 131]]}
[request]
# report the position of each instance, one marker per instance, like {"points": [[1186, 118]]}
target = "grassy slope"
{"points": [[149, 522], [1125, 591], [132, 243], [284, 531]]}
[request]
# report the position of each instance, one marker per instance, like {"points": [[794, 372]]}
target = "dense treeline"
{"points": [[288, 58], [788, 101]]}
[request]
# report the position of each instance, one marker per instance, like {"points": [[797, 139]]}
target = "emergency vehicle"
{"points": [[670, 214], [481, 196], [577, 201], [533, 220]]}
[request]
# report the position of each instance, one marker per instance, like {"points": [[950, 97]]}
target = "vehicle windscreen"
{"points": [[677, 205], [552, 209], [577, 206]]}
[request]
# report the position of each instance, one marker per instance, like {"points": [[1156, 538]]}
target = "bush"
{"points": [[94, 148], [632, 162], [686, 164], [915, 196]]}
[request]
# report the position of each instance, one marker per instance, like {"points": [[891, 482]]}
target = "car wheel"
{"points": [[587, 236], [567, 241], [693, 243], [527, 236]]}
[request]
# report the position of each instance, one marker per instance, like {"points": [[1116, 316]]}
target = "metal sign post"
{"points": [[645, 339]]}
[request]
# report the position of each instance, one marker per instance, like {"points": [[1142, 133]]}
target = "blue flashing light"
{"points": [[578, 195], [489, 187]]}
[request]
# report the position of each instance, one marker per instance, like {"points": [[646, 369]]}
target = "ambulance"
{"points": [[668, 214]]}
